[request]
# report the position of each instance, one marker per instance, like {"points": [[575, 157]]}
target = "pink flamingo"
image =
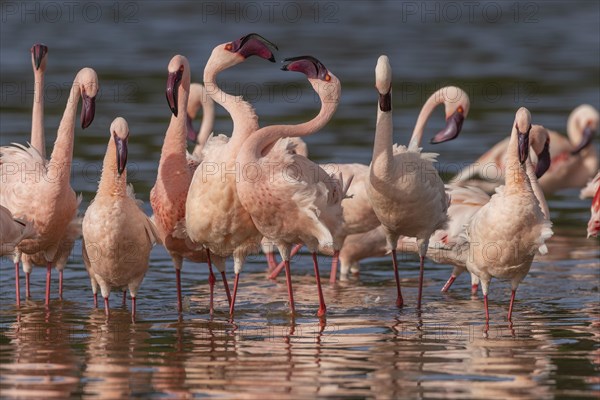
{"points": [[46, 196], [214, 216], [291, 199], [574, 161], [505, 234], [169, 193], [405, 190], [590, 189], [117, 234], [594, 222]]}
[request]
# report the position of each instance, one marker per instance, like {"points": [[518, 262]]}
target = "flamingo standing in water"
{"points": [[505, 234], [46, 196], [117, 234], [169, 193], [291, 199], [214, 216], [405, 190], [574, 160]]}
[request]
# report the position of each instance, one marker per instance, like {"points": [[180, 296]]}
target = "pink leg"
{"points": [[485, 304], [132, 308], [281, 265], [17, 285], [124, 303], [288, 277], [226, 287], [474, 288], [211, 281], [95, 300], [60, 284], [271, 260], [48, 274], [421, 268], [106, 307], [322, 308], [449, 283], [27, 292], [334, 265], [235, 288], [399, 300], [510, 307], [178, 279]]}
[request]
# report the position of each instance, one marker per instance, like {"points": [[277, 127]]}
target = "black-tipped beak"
{"points": [[523, 146], [192, 135], [173, 83], [544, 161], [588, 135], [451, 131], [88, 110], [121, 145], [39, 51]]}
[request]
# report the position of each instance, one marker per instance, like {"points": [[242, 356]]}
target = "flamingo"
{"points": [[505, 234], [291, 199], [12, 231], [590, 189], [404, 188], [39, 59], [117, 234], [574, 161], [170, 191], [214, 216], [45, 196], [594, 222]]}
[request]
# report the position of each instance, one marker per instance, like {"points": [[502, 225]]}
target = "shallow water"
{"points": [[540, 55]]}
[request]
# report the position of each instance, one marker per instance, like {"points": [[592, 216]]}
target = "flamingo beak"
{"points": [[121, 145], [385, 101], [451, 131], [88, 110], [173, 82], [523, 140], [192, 135], [544, 161], [588, 135], [39, 51], [255, 45]]}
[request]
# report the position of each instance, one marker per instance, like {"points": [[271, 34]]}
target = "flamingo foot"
{"points": [[288, 277], [27, 292], [399, 299], [322, 307], [421, 270], [235, 288], [60, 284], [17, 285], [334, 265], [510, 307], [178, 279], [48, 275], [132, 308], [448, 284], [106, 307], [226, 287]]}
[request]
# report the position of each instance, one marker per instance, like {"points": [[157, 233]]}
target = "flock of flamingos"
{"points": [[279, 198]]}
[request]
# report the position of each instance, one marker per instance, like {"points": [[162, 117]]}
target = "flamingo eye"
{"points": [[228, 47], [460, 110], [327, 77]]}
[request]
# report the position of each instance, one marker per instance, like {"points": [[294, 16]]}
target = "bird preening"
{"points": [[397, 203]]}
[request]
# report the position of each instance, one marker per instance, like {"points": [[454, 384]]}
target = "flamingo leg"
{"points": [[322, 308], [510, 307], [211, 281], [60, 284], [474, 288], [487, 313], [421, 268], [48, 275], [281, 265], [132, 308], [178, 279], [27, 292], [95, 300], [17, 285], [226, 287], [124, 304], [106, 307], [449, 283], [235, 287], [288, 277], [399, 300], [271, 260], [334, 265]]}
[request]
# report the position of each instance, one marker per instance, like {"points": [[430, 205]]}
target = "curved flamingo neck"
{"points": [[175, 145], [245, 120], [537, 190], [417, 136], [384, 140], [263, 138], [110, 182], [208, 119], [38, 141]]}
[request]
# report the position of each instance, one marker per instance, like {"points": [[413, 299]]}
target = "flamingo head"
{"points": [[585, 120], [540, 144], [523, 127], [120, 134], [383, 83], [179, 72], [456, 105], [87, 80], [232, 53], [38, 56], [324, 82]]}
